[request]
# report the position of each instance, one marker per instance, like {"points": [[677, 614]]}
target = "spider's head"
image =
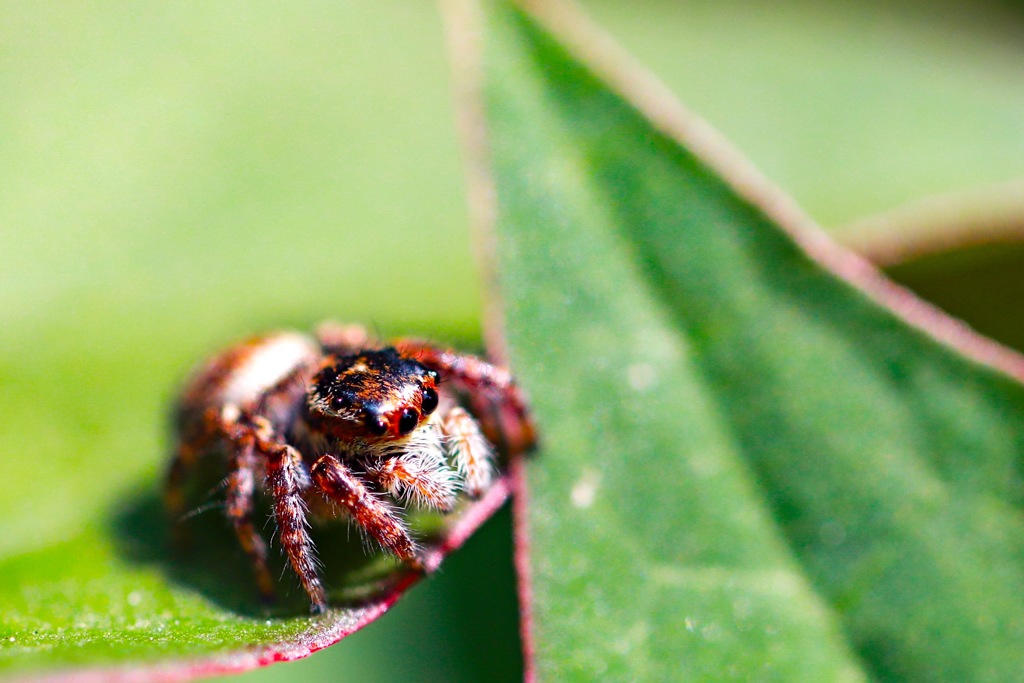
{"points": [[373, 394]]}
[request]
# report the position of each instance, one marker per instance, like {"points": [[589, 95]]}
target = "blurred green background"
{"points": [[175, 176]]}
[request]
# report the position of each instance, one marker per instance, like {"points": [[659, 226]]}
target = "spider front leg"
{"points": [[287, 479], [246, 438], [419, 472], [468, 450], [494, 396], [427, 483], [374, 515]]}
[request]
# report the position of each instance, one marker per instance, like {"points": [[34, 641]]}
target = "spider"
{"points": [[338, 422]]}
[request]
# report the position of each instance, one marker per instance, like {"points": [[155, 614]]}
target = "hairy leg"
{"points": [[207, 433], [496, 400], [469, 451], [374, 515], [427, 482], [241, 487], [341, 340], [174, 488], [286, 479]]}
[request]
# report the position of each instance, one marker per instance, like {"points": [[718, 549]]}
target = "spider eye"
{"points": [[429, 401], [375, 424], [410, 418], [340, 402], [433, 374]]}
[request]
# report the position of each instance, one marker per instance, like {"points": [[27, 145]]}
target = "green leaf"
{"points": [[119, 593], [752, 467]]}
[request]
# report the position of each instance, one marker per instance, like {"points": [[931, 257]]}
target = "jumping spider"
{"points": [[341, 423]]}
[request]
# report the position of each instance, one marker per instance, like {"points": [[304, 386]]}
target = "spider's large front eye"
{"points": [[375, 424], [410, 418], [429, 402]]}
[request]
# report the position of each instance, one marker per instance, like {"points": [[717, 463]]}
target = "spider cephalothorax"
{"points": [[371, 394], [342, 418]]}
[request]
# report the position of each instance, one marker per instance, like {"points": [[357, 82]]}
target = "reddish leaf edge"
{"points": [[596, 50], [324, 631], [463, 27], [521, 563], [624, 76]]}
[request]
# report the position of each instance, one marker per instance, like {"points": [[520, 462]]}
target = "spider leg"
{"points": [[342, 340], [241, 486], [253, 435], [469, 451], [287, 478], [174, 488], [426, 481], [495, 398], [374, 515], [214, 426]]}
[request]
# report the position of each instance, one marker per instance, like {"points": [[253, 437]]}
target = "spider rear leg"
{"points": [[342, 339], [374, 515], [174, 488], [241, 487], [496, 400], [286, 478], [205, 436]]}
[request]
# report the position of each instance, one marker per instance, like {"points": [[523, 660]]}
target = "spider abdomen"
{"points": [[243, 373]]}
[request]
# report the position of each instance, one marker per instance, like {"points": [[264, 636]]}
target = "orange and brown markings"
{"points": [[375, 393]]}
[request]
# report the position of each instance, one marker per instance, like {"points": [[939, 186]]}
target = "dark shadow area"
{"points": [[478, 589], [463, 619], [459, 624], [209, 559], [982, 285]]}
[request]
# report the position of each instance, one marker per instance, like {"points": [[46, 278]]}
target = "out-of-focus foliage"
{"points": [[177, 176]]}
